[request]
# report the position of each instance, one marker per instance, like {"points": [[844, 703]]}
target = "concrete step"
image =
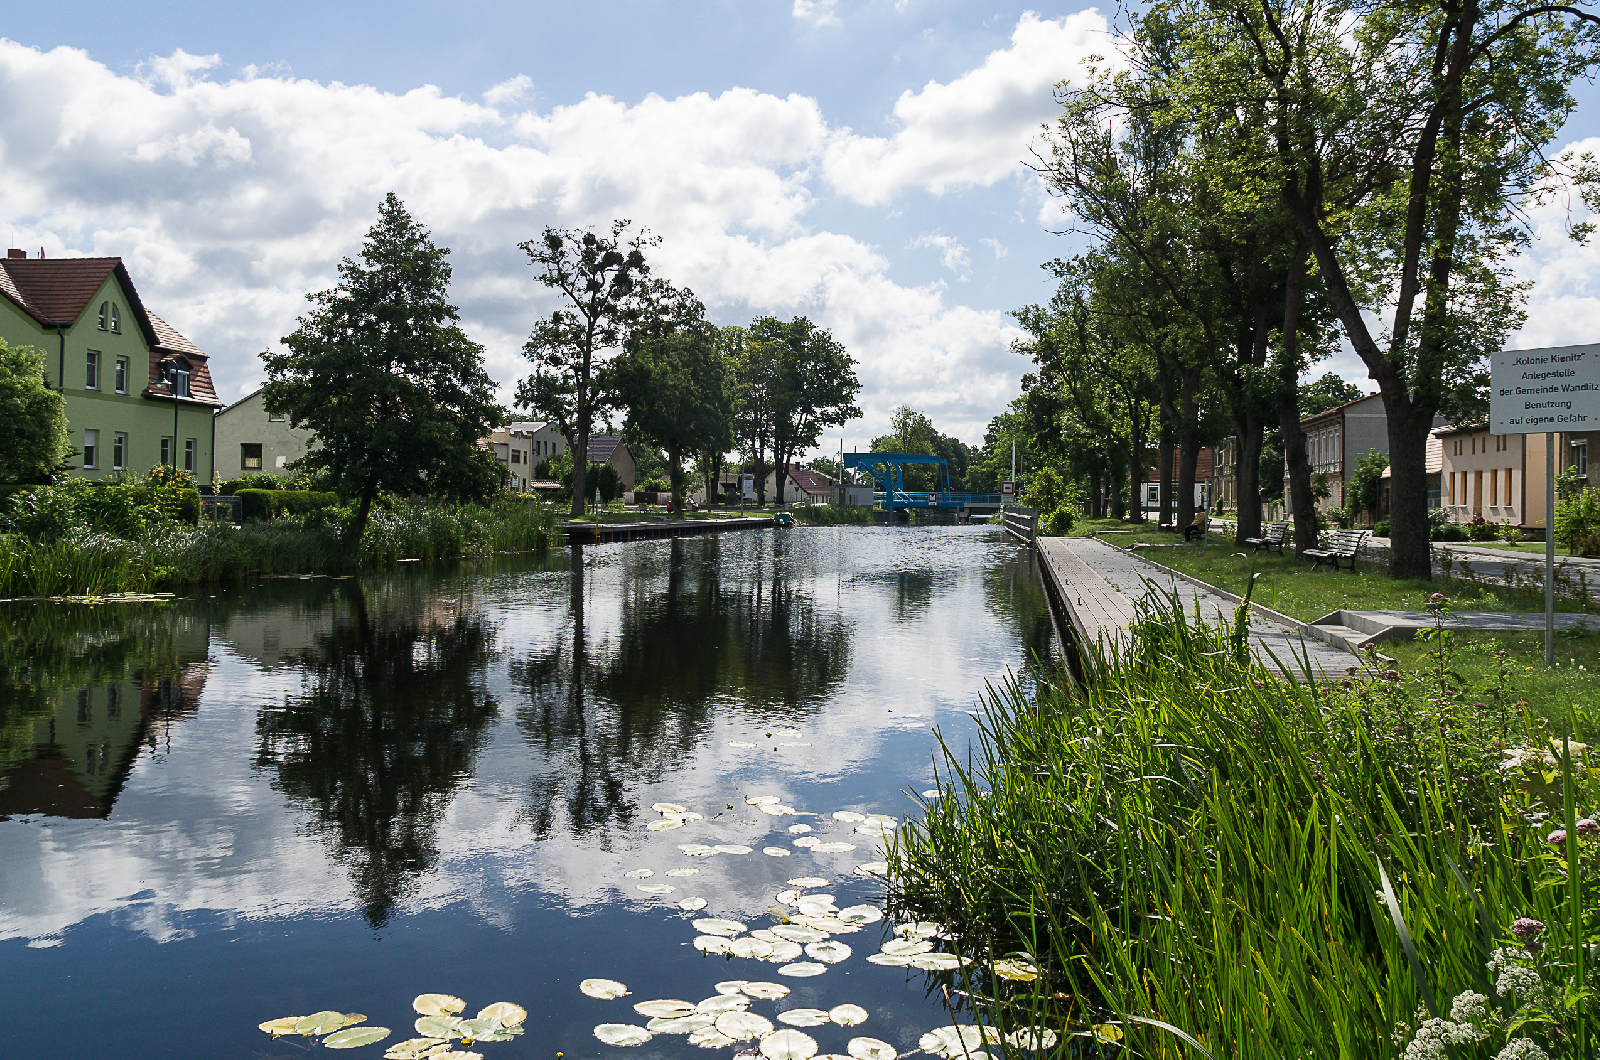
{"points": [[1341, 636]]}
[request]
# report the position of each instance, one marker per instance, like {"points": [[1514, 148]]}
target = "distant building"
{"points": [[1336, 440], [251, 439], [520, 447], [610, 449], [138, 393], [802, 485], [1498, 476]]}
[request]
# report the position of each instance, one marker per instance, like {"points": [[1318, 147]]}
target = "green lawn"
{"points": [[1572, 686], [1536, 547]]}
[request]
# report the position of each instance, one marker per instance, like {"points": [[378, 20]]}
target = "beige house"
{"points": [[252, 440], [610, 449], [522, 446], [1498, 476]]}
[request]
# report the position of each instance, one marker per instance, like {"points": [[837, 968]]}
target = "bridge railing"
{"points": [[921, 498]]}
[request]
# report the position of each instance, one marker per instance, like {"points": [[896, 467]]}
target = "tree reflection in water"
{"points": [[395, 710], [696, 637]]}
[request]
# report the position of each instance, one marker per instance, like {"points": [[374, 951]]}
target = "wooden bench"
{"points": [[1343, 545], [1273, 539]]}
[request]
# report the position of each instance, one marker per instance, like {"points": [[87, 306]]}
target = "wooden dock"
{"points": [[1096, 587], [589, 533]]}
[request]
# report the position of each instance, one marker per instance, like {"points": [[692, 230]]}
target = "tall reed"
{"points": [[1203, 857]]}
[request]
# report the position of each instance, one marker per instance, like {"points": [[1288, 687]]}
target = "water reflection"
{"points": [[693, 639], [395, 709], [82, 690]]}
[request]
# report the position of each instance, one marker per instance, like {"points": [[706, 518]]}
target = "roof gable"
{"points": [[57, 291]]}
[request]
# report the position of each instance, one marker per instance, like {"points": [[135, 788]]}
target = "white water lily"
{"points": [[603, 988], [803, 969], [860, 914], [775, 852], [848, 1015], [505, 1012], [870, 1049], [712, 944], [807, 881], [355, 1037], [730, 848], [788, 1045], [622, 1034], [829, 952], [437, 1004], [640, 874], [849, 816], [680, 1024], [667, 1008], [742, 1026], [750, 947], [906, 947], [715, 1006], [718, 926], [692, 904], [804, 1017], [682, 872], [765, 991], [669, 807], [1042, 1038], [655, 888]]}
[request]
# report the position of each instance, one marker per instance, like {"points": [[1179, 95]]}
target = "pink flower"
{"points": [[1557, 837], [1526, 928], [1589, 826]]}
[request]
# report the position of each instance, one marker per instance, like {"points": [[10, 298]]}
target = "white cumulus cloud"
{"points": [[952, 255]]}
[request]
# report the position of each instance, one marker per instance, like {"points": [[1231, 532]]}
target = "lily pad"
{"points": [[808, 881], [655, 888], [285, 1025], [860, 914], [697, 1021], [622, 1034], [783, 951], [848, 1015], [682, 872], [891, 960], [870, 1049], [718, 926], [796, 933], [804, 1017], [508, 1014], [1035, 1039], [800, 829], [355, 1037], [872, 868], [750, 947], [319, 1022], [412, 1048], [936, 962], [776, 810], [832, 848], [932, 793], [669, 807], [730, 848], [712, 944], [788, 897], [788, 1045], [743, 745], [438, 1026], [665, 1008], [829, 952], [765, 991], [906, 947], [695, 850], [849, 816], [808, 841], [803, 969], [437, 1004], [741, 1026], [921, 929], [721, 1003], [692, 903], [603, 988], [775, 852], [665, 824], [640, 874], [761, 800], [1017, 969], [710, 1037], [730, 986]]}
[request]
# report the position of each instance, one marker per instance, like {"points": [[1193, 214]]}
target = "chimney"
{"points": [[15, 253]]}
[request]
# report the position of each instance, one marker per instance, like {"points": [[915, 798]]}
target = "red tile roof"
{"points": [[813, 482], [601, 446]]}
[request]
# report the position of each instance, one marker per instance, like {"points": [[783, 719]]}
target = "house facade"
{"points": [[801, 485], [611, 449], [1498, 476], [138, 394], [251, 439], [1336, 440], [522, 446]]}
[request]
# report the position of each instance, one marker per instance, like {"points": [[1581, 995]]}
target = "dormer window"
{"points": [[178, 377]]}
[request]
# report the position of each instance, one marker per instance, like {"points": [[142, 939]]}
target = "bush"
{"points": [[1449, 532], [1060, 522], [270, 504], [1481, 529], [265, 481], [1578, 521], [1380, 528], [78, 505]]}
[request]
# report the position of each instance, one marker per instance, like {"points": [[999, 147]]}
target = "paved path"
{"points": [[1097, 586]]}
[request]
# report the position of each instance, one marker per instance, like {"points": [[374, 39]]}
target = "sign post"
{"points": [[1544, 391]]}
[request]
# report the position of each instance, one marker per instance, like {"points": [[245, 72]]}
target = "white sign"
{"points": [[1553, 389], [1009, 489]]}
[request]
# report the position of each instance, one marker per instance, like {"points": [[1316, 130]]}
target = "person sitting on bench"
{"points": [[1196, 528]]}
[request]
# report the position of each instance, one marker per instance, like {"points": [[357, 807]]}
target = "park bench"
{"points": [[1272, 539], [1343, 545]]}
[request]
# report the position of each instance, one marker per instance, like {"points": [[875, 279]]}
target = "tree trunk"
{"points": [[580, 469], [780, 473], [1296, 462], [359, 527], [1410, 554], [710, 461], [1164, 515], [1188, 440], [1247, 480], [675, 477], [1097, 499], [1188, 457]]}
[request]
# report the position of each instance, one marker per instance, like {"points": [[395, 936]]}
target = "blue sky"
{"points": [[859, 162]]}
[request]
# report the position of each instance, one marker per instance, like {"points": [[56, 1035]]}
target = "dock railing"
{"points": [[1022, 523]]}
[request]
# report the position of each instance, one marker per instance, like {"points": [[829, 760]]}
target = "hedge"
{"points": [[269, 504]]}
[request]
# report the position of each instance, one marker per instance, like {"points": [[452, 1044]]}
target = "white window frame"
{"points": [[260, 458], [116, 320], [190, 449], [91, 449], [91, 370], [120, 379], [119, 451], [1580, 457], [166, 450]]}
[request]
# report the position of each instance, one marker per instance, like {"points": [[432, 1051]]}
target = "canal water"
{"points": [[320, 793]]}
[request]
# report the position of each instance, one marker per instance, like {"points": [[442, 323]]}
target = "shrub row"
{"points": [[269, 504]]}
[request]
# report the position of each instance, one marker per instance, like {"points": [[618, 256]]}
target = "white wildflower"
{"points": [[1522, 982], [1522, 1049], [1469, 1007], [1431, 1039]]}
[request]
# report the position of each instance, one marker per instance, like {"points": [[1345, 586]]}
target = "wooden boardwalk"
{"points": [[1097, 587]]}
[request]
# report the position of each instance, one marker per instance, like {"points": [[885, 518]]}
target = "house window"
{"points": [[91, 442], [91, 371], [103, 307], [274, 417], [1580, 457], [116, 321], [178, 377], [119, 450], [188, 455], [250, 456], [166, 450], [122, 375]]}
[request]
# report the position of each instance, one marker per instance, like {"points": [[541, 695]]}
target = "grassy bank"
{"points": [[832, 515], [168, 555], [1183, 849]]}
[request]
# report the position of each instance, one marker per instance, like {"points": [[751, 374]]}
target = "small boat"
{"points": [[782, 519]]}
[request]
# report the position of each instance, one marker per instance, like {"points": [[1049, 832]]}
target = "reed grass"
{"points": [[174, 555], [1205, 859]]}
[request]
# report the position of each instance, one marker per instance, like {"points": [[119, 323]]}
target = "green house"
{"points": [[138, 393]]}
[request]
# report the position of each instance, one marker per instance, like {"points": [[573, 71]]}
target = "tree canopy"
{"points": [[33, 418]]}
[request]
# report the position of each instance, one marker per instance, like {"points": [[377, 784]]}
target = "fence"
{"points": [[1022, 523]]}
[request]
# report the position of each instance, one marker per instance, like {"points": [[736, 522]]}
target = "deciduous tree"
{"points": [[33, 418]]}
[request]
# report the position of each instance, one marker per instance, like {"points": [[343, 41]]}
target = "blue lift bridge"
{"points": [[889, 478]]}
